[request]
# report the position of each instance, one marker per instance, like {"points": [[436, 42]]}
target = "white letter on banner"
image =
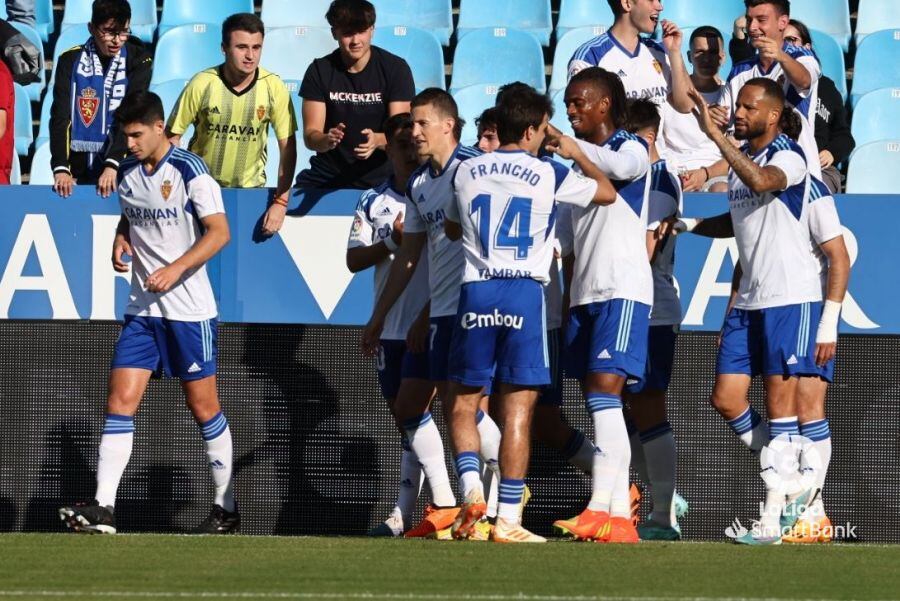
{"points": [[103, 276], [707, 286], [35, 231], [851, 312]]}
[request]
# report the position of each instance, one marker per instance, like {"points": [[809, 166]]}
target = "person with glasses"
{"points": [[91, 80]]}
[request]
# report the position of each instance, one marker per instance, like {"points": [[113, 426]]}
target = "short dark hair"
{"points": [[771, 88], [141, 107], [616, 7], [509, 88], [803, 30], [444, 103], [487, 119], [642, 114], [520, 110], [609, 83], [104, 10], [241, 22], [351, 15], [705, 31], [395, 124], [783, 6]]}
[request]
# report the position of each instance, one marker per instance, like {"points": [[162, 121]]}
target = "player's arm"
{"points": [[826, 230], [719, 226], [214, 238], [361, 256], [121, 246], [681, 82], [800, 75], [417, 336], [568, 148], [314, 135]]}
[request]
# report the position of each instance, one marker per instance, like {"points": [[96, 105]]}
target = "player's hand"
{"points": [[371, 337], [163, 279], [667, 227], [273, 219], [418, 335], [397, 231], [106, 185], [825, 352], [365, 150], [720, 115], [63, 184], [335, 135], [672, 36], [826, 159], [121, 246], [769, 49], [693, 180], [702, 114], [563, 147]]}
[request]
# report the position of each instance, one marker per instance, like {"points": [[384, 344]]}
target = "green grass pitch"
{"points": [[48, 566]]}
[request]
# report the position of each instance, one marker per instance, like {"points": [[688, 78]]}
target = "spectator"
{"points": [[241, 96], [7, 123], [347, 96], [20, 11], [739, 48], [21, 56], [488, 141], [85, 146], [832, 127], [688, 151]]}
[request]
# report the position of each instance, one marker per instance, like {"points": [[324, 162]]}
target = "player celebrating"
{"points": [[776, 208], [610, 291], [167, 196], [376, 233], [436, 131], [504, 212]]}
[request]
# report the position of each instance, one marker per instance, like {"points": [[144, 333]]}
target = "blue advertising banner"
{"points": [[55, 258]]}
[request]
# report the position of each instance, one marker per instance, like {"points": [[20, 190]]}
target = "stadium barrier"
{"points": [[315, 448]]}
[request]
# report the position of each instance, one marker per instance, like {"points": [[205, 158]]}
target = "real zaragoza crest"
{"points": [[166, 189], [88, 103], [260, 112]]}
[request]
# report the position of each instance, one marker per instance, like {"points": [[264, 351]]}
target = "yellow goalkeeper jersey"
{"points": [[231, 128]]}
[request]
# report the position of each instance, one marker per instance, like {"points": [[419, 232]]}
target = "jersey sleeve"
{"points": [[205, 195], [361, 230], [572, 187], [284, 121], [663, 201], [565, 232], [311, 87], [792, 164], [401, 87], [811, 64], [186, 108], [412, 220], [629, 162], [824, 222]]}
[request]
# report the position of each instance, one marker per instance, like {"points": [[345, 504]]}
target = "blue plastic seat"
{"points": [[829, 16], [184, 51], [471, 102], [169, 92], [498, 56], [694, 13], [831, 58], [431, 15], [41, 172], [72, 35], [877, 116], [143, 17], [875, 15], [290, 13], [576, 14], [532, 16], [560, 118], [34, 89], [44, 126], [15, 174], [43, 18], [288, 51], [875, 168], [421, 50], [187, 12], [877, 63], [24, 132], [565, 48]]}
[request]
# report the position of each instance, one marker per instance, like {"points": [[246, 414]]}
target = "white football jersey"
{"points": [[646, 73], [803, 101], [553, 294], [506, 204], [372, 224], [164, 210], [682, 143], [665, 201], [428, 197], [610, 242], [773, 231]]}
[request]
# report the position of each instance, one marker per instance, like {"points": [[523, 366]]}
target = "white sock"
{"points": [[820, 434], [114, 453], [620, 500], [217, 439], [751, 429], [511, 493], [579, 451], [489, 434], [659, 449], [468, 470], [425, 441], [612, 451], [770, 520], [410, 482]]}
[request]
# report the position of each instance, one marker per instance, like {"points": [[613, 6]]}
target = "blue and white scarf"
{"points": [[95, 97]]}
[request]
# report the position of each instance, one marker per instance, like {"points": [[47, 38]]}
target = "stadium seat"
{"points": [[421, 50], [560, 118], [875, 168], [688, 13], [43, 18], [877, 117], [877, 63], [72, 35], [725, 69], [875, 15], [288, 51], [34, 89], [532, 16], [24, 132], [471, 102], [168, 92], [143, 17], [179, 12], [565, 48], [431, 15], [498, 56], [829, 16], [831, 58], [290, 13], [15, 174], [184, 51], [575, 14], [44, 126], [41, 172]]}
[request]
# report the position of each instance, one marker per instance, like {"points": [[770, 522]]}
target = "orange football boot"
{"points": [[434, 520]]}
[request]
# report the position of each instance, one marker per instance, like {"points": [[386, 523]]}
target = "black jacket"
{"points": [[139, 67], [832, 126]]}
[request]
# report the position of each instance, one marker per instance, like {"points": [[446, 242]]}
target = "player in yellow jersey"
{"points": [[232, 106]]}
